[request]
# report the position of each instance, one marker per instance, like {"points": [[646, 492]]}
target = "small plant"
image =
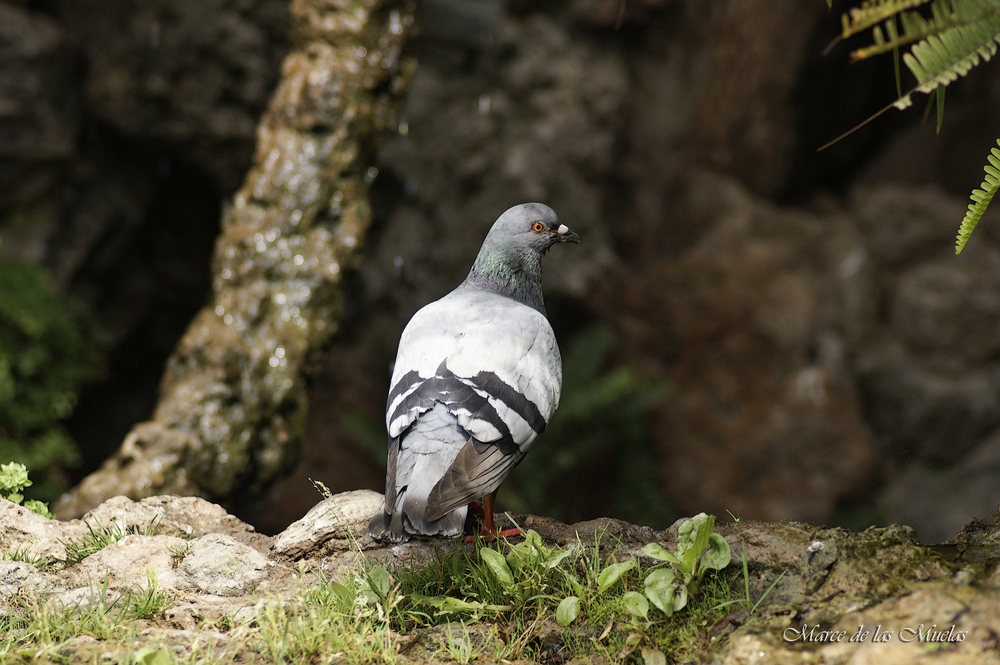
{"points": [[378, 594], [13, 480], [458, 644], [321, 488], [698, 551], [148, 602], [24, 554], [747, 600], [178, 553], [101, 536]]}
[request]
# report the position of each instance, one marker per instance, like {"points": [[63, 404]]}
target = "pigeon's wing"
{"points": [[495, 364]]}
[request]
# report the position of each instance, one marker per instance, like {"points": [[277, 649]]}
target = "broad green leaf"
{"points": [[636, 604], [697, 535], [663, 590], [568, 610], [531, 549], [575, 583], [151, 656], [558, 558], [496, 563], [717, 556], [654, 551], [611, 573], [380, 581], [38, 507], [344, 593], [653, 656], [14, 477]]}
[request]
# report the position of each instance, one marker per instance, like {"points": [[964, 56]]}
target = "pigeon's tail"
{"points": [[398, 527], [426, 452]]}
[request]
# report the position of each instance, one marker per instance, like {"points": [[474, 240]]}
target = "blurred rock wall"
{"points": [[830, 359]]}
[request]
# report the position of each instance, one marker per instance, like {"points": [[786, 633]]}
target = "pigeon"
{"points": [[477, 378]]}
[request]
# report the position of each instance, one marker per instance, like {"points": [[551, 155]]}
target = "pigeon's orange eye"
{"points": [[537, 227]]}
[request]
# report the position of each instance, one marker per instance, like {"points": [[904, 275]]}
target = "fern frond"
{"points": [[943, 57], [980, 199], [945, 15], [872, 13]]}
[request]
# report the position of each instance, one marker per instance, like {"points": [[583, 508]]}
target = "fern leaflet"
{"points": [[980, 199], [873, 12]]}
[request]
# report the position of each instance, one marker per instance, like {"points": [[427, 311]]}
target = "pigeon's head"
{"points": [[531, 226]]}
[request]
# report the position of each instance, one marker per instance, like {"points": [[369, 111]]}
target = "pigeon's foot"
{"points": [[489, 529]]}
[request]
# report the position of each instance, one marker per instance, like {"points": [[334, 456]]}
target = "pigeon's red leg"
{"points": [[489, 526], [489, 529]]}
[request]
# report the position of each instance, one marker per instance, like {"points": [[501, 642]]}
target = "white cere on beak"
{"points": [[562, 230]]}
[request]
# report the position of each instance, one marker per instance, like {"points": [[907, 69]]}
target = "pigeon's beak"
{"points": [[563, 234]]}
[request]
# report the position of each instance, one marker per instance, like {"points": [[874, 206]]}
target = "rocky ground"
{"points": [[841, 597]]}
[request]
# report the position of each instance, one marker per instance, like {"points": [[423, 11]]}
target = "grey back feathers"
{"points": [[477, 378]]}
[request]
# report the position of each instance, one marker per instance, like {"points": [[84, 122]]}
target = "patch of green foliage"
{"points": [[39, 561], [13, 480], [101, 536], [616, 608], [47, 350], [35, 630], [698, 551]]}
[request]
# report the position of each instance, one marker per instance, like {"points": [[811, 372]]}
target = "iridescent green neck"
{"points": [[509, 271]]}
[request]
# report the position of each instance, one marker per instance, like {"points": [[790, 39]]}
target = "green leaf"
{"points": [[663, 591], [653, 656], [558, 558], [380, 581], [717, 556], [531, 550], [447, 604], [940, 108], [151, 656], [694, 534], [568, 610], [654, 551], [575, 583], [611, 574], [496, 563], [13, 477], [38, 507], [636, 604]]}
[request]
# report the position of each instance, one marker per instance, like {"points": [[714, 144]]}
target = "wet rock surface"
{"points": [[900, 600]]}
